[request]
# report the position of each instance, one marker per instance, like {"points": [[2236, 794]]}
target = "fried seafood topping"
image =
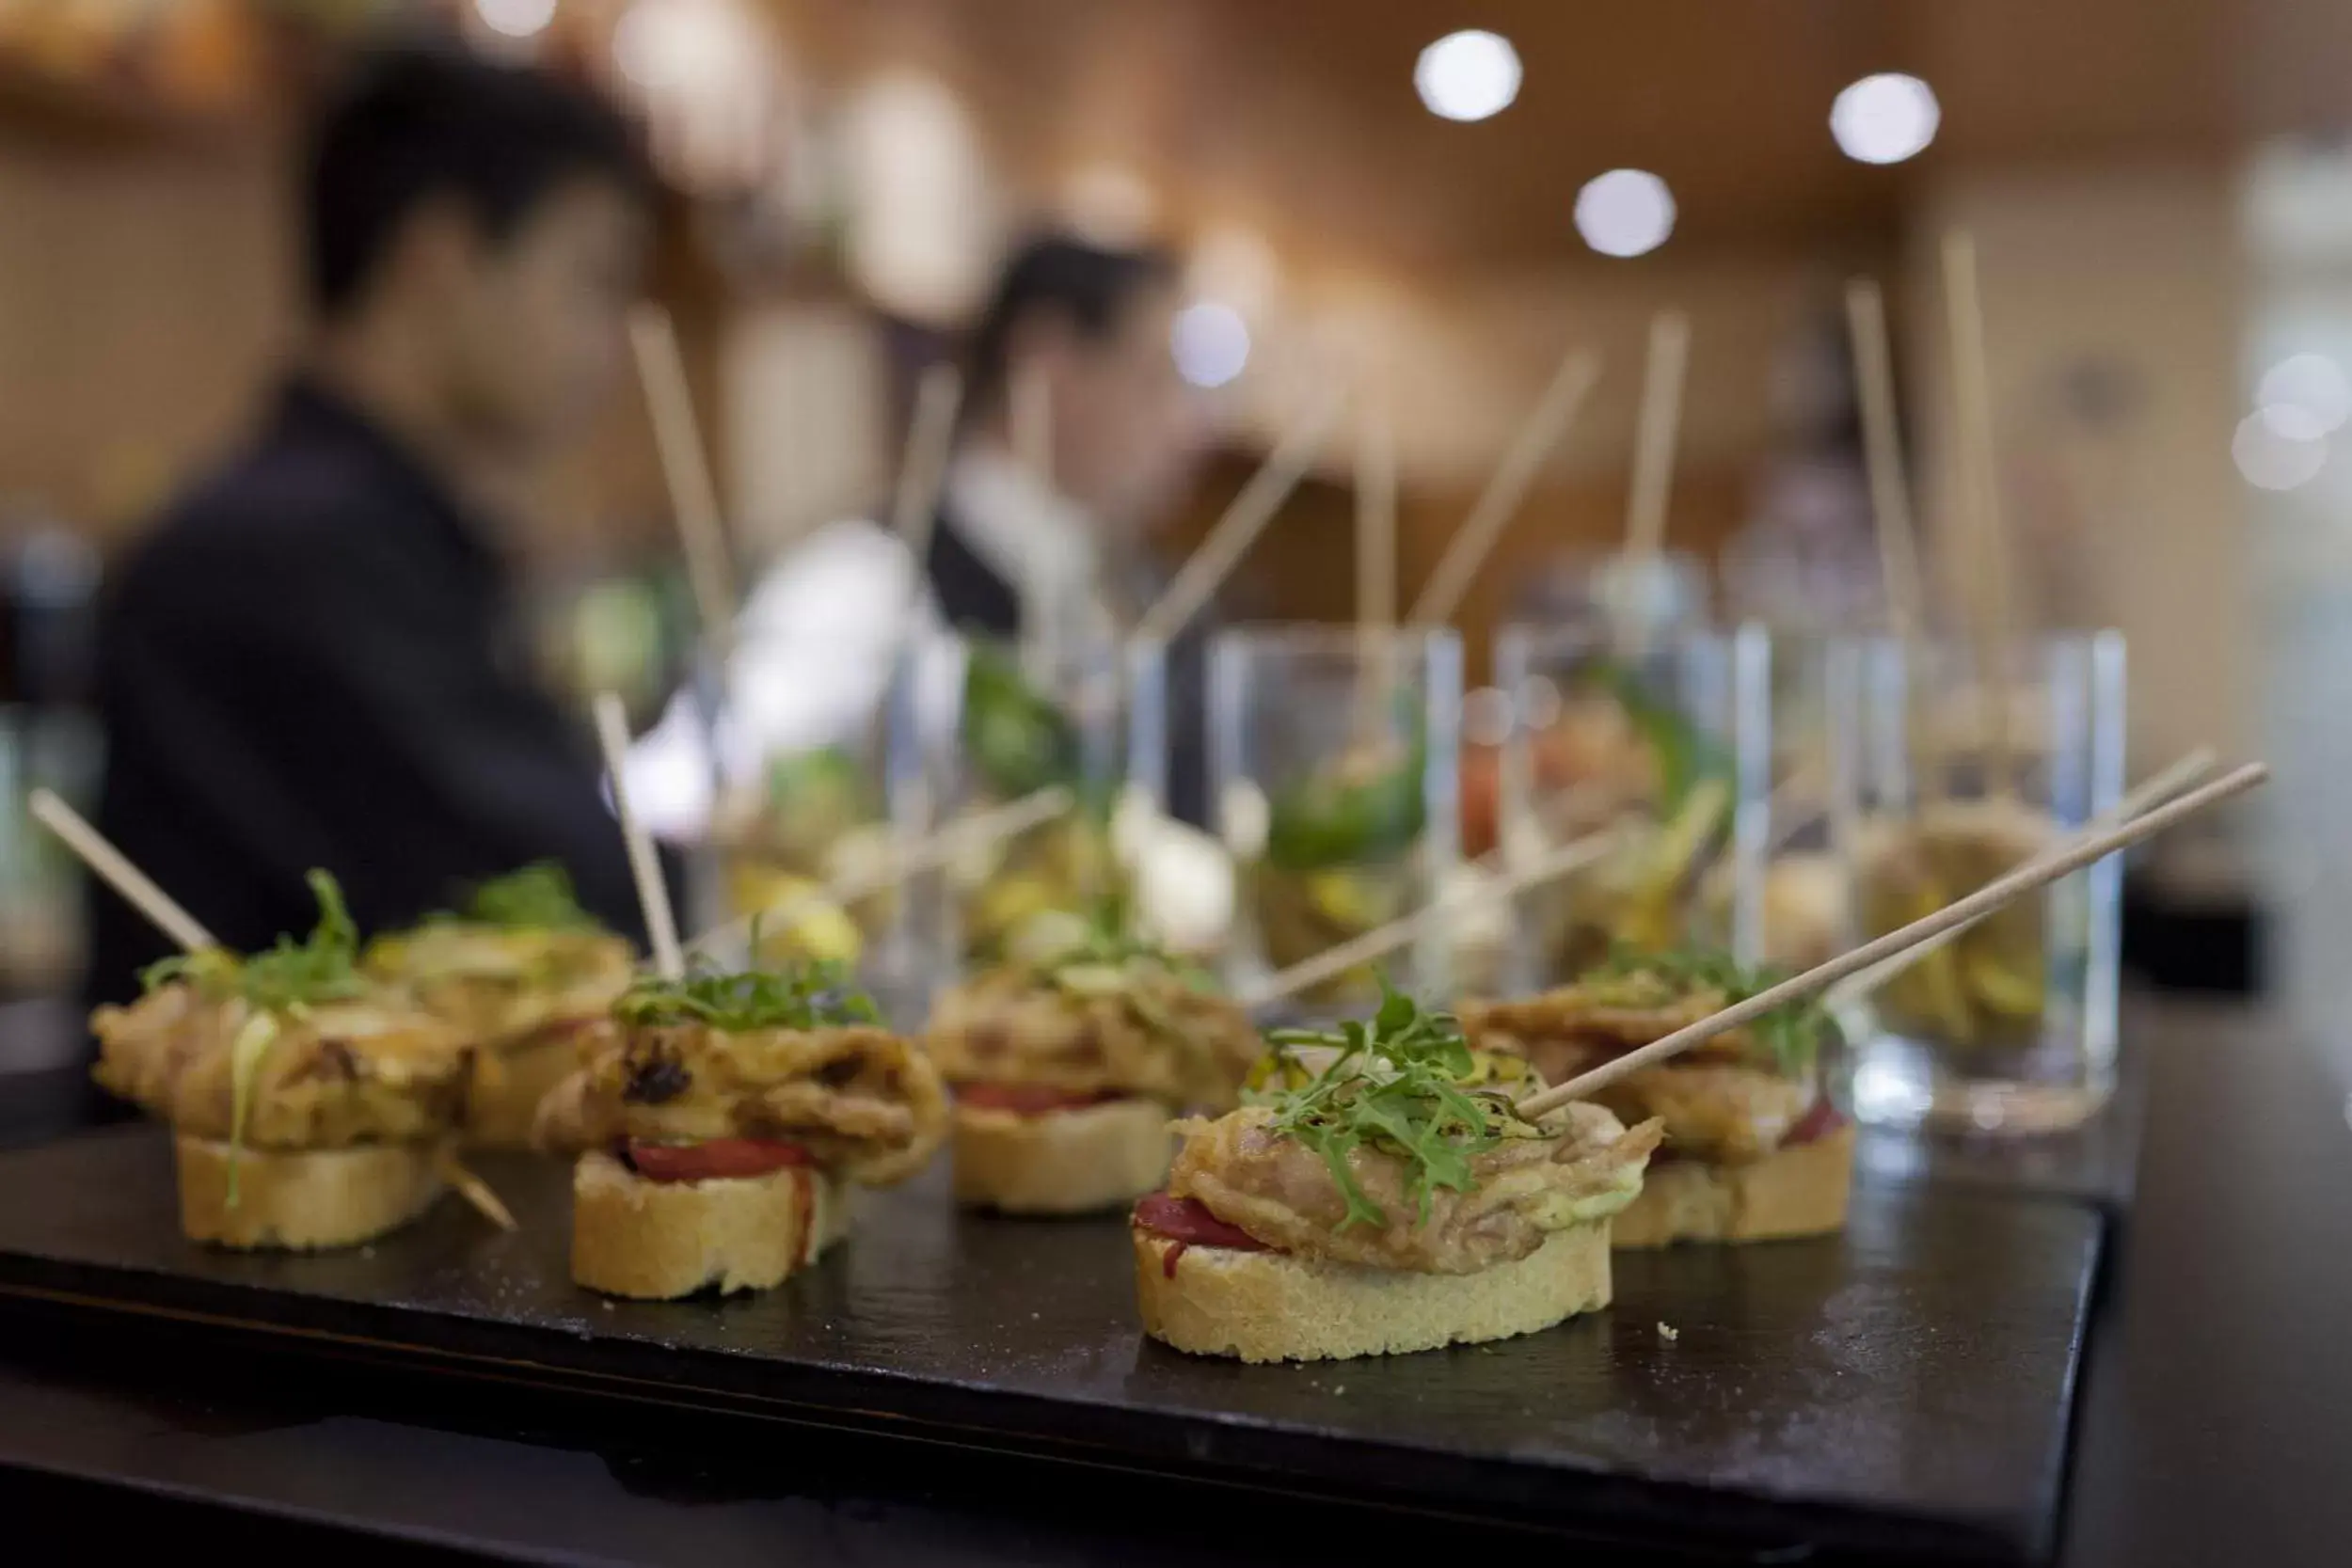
{"points": [[1111, 1015], [1393, 1144], [792, 1057]]}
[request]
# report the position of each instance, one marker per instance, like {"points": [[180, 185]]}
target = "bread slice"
{"points": [[1792, 1192], [658, 1241], [504, 1098], [1275, 1306], [1080, 1162], [304, 1200]]}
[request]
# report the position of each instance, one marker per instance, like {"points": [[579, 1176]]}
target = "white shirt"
{"points": [[816, 639]]}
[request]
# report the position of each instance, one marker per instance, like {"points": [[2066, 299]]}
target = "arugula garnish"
{"points": [[1405, 1083], [321, 968], [539, 897], [283, 982], [798, 997], [1789, 1036]]}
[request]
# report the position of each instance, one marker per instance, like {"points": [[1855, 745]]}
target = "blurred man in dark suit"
{"points": [[314, 660]]}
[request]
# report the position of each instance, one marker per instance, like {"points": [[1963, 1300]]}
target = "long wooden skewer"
{"points": [[1375, 521], [1654, 443], [1979, 491], [907, 858], [1386, 939], [923, 465], [1252, 510], [653, 894], [1031, 418], [1882, 459], [2038, 873], [686, 471], [1542, 430], [2189, 771], [142, 894], [115, 869]]}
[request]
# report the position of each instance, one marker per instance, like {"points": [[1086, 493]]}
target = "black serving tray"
{"points": [[1901, 1393]]}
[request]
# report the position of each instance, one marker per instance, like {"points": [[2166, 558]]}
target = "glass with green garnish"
{"points": [[833, 782], [1030, 721], [1962, 761], [1659, 747], [1334, 758]]}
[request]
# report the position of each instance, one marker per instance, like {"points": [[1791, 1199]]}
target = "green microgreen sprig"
{"points": [[322, 967], [1405, 1083], [796, 996]]}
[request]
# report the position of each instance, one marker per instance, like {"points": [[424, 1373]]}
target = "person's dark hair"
{"points": [[1088, 286], [424, 122]]}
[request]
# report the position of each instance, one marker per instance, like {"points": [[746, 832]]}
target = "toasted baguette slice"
{"points": [[1082, 1161], [1275, 1306], [1792, 1192], [503, 1101], [304, 1200], [657, 1240]]}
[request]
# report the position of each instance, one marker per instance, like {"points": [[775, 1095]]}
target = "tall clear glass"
{"points": [[1334, 758], [825, 781], [1664, 758], [1956, 763], [1029, 720]]}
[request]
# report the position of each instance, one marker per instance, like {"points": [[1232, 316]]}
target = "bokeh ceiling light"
{"points": [[2311, 385], [1211, 344], [1885, 118], [515, 18], [1468, 75], [2272, 458], [1626, 211]]}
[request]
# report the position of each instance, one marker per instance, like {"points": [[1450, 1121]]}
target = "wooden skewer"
{"points": [[142, 894], [1243, 520], [1375, 522], [923, 466], [1542, 430], [2189, 771], [686, 470], [1980, 492], [1032, 419], [909, 859], [2034, 874], [1882, 459], [115, 869], [653, 894], [1380, 940], [1654, 443], [473, 1189]]}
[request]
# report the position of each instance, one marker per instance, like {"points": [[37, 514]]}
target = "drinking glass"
{"points": [[1958, 762], [1658, 759], [1334, 757], [825, 784], [1027, 721]]}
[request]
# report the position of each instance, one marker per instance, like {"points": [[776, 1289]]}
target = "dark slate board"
{"points": [[1904, 1392]]}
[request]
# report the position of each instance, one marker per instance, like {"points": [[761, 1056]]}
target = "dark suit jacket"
{"points": [[313, 663]]}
